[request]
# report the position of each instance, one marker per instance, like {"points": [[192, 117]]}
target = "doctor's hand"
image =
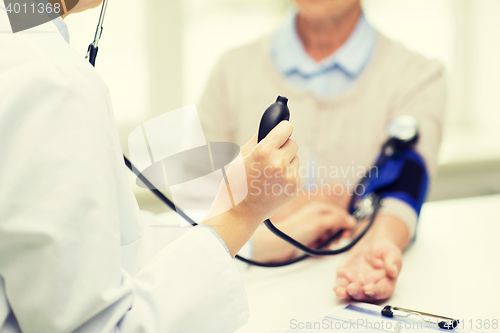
{"points": [[370, 270], [272, 172], [311, 225], [272, 179]]}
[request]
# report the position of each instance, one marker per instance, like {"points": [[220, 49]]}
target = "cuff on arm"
{"points": [[403, 211]]}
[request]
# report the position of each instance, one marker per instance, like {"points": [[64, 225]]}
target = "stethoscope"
{"points": [[403, 134], [94, 46]]}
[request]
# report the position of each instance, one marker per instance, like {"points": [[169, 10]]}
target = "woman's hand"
{"points": [[313, 224], [369, 272], [333, 193]]}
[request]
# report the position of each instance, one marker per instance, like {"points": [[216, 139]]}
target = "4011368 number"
{"points": [[23, 8]]}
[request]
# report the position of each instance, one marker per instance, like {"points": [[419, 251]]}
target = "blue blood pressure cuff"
{"points": [[402, 177]]}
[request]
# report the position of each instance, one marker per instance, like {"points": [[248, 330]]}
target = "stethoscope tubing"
{"points": [[92, 55], [309, 251]]}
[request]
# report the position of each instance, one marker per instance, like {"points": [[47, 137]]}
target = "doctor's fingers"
{"points": [[279, 135], [292, 177], [249, 146], [292, 170], [289, 150], [294, 165]]}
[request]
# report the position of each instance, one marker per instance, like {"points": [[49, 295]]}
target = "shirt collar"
{"points": [[289, 54], [59, 22], [62, 27]]}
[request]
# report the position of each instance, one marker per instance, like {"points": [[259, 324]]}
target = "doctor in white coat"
{"points": [[69, 223]]}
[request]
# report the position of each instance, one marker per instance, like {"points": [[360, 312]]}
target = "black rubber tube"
{"points": [[309, 251]]}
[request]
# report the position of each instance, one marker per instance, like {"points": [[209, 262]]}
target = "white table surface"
{"points": [[453, 269]]}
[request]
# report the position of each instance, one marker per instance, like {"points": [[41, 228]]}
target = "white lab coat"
{"points": [[70, 229]]}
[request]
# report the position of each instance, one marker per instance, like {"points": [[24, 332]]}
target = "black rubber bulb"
{"points": [[274, 114]]}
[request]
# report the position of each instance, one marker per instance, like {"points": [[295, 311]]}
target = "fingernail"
{"points": [[369, 290], [353, 293], [341, 293]]}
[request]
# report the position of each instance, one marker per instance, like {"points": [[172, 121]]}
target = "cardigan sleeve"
{"points": [[424, 97], [422, 94]]}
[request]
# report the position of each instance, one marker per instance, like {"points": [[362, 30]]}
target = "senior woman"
{"points": [[345, 81]]}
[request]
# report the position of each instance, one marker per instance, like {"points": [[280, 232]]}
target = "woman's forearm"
{"points": [[387, 227]]}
